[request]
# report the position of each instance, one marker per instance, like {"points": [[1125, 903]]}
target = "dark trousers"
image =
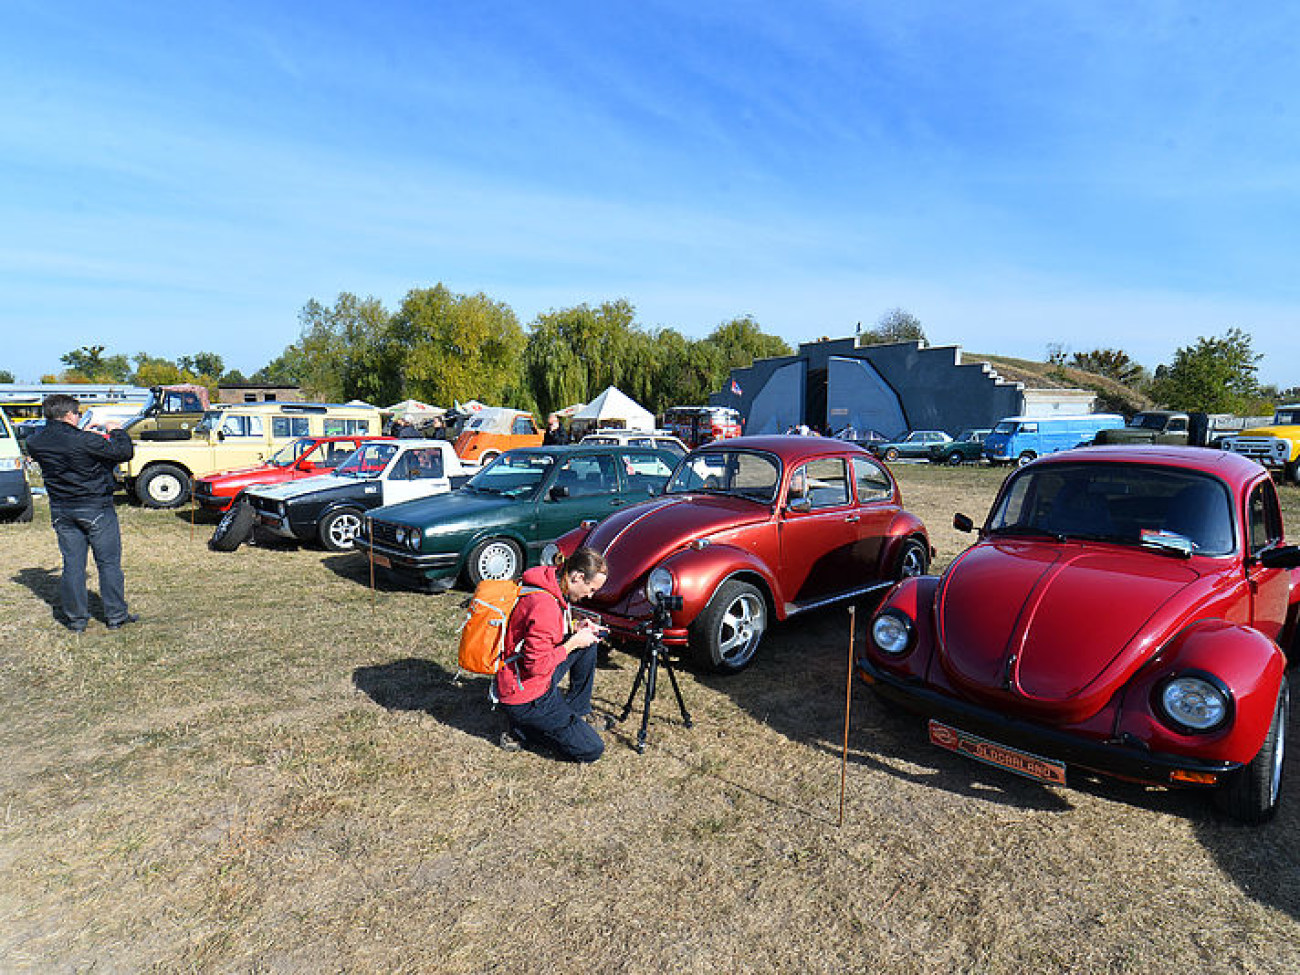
{"points": [[96, 530], [556, 717]]}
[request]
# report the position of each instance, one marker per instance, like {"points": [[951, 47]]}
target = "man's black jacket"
{"points": [[77, 465]]}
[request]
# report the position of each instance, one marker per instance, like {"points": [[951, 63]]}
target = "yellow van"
{"points": [[162, 472]]}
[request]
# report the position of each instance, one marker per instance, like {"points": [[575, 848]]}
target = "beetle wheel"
{"points": [[1027, 457], [955, 459], [1250, 795], [234, 528], [913, 560], [726, 635]]}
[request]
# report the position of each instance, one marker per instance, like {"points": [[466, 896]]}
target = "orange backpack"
{"points": [[483, 637]]}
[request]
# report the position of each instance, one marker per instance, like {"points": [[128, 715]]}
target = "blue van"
{"points": [[1022, 438]]}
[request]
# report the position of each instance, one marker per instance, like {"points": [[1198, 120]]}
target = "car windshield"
{"points": [[1287, 418], [367, 461], [515, 474], [743, 473], [211, 421], [286, 455], [1148, 421], [1127, 503]]}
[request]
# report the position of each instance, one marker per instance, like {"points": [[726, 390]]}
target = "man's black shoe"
{"points": [[130, 618], [75, 627]]}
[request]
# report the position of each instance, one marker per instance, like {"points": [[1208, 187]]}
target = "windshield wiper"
{"points": [[1022, 529], [1171, 543]]}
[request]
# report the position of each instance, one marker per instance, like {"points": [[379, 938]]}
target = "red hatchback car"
{"points": [[1124, 613], [748, 530], [305, 457]]}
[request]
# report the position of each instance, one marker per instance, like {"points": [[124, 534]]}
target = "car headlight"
{"points": [[1195, 702], [283, 509], [892, 633], [11, 463], [551, 554], [413, 539], [659, 583]]}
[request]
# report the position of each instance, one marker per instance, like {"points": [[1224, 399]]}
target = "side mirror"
{"points": [[221, 435], [1280, 557], [962, 523], [306, 465], [800, 506], [558, 492]]}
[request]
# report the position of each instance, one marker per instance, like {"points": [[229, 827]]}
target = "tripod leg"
{"points": [[681, 702], [640, 674], [652, 678]]}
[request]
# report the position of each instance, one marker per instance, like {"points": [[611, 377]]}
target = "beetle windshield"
{"points": [[367, 461], [1127, 503], [290, 452], [515, 474], [743, 473]]}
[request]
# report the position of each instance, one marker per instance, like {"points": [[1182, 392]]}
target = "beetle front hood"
{"points": [[638, 538], [1050, 628]]}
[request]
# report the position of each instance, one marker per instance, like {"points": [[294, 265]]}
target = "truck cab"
{"points": [[1276, 446]]}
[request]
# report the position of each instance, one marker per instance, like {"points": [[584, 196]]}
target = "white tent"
{"points": [[415, 409], [613, 408]]}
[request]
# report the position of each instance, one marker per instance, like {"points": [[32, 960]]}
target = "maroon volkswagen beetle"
{"points": [[749, 530], [1123, 612]]}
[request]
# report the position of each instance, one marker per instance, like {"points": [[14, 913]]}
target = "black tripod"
{"points": [[652, 655]]}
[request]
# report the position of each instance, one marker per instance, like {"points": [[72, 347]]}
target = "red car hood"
{"points": [[239, 475], [1054, 630], [637, 539]]}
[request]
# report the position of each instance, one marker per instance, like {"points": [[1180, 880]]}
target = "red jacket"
{"points": [[538, 626]]}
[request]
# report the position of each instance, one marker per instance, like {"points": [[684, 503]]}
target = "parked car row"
{"points": [[1124, 611]]}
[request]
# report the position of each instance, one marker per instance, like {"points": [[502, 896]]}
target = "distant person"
{"points": [[556, 435], [77, 467], [550, 645], [437, 429], [406, 430]]}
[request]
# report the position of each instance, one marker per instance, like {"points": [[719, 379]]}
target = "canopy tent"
{"points": [[568, 411], [614, 408], [415, 409]]}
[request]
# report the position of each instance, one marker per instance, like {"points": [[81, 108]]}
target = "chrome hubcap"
{"points": [[741, 628]]}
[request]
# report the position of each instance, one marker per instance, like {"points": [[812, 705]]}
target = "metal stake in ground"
{"points": [[848, 699], [652, 655]]}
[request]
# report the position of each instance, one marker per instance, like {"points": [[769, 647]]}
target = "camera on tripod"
{"points": [[653, 655]]}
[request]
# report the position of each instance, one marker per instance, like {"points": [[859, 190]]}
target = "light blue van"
{"points": [[1022, 438]]}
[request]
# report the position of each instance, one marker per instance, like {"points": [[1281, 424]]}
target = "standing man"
{"points": [[549, 647], [77, 467], [555, 434]]}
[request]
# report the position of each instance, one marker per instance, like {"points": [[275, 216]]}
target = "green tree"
{"points": [[203, 364], [441, 347], [1216, 375], [1112, 363], [286, 369], [155, 371], [7, 377], [89, 364], [344, 352], [739, 342], [897, 325]]}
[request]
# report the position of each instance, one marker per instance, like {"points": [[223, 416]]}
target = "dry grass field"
{"points": [[275, 772]]}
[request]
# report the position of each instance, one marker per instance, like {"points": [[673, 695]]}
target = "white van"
{"points": [[15, 494]]}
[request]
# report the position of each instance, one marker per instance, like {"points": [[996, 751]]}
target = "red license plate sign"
{"points": [[991, 753]]}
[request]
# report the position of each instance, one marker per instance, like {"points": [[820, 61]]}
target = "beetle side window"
{"points": [[872, 482], [1265, 518], [823, 482]]}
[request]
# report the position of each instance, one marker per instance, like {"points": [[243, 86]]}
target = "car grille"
{"points": [[1264, 450], [385, 533], [269, 505]]}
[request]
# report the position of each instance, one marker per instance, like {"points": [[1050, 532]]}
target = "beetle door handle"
{"points": [[853, 518]]}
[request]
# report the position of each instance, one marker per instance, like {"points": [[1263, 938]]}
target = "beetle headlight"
{"points": [[892, 632], [659, 583], [1195, 702], [551, 554]]}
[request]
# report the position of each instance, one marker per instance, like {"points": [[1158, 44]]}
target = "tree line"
{"points": [[440, 347]]}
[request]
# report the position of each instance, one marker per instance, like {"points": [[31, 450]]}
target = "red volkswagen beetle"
{"points": [[749, 530], [1123, 612]]}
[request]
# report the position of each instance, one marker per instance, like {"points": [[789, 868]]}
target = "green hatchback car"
{"points": [[497, 524]]}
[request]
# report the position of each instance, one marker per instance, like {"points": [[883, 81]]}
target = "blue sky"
{"points": [[183, 177]]}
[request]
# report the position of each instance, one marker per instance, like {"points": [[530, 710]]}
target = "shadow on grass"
{"points": [[1264, 861], [797, 687], [414, 684], [44, 583], [355, 567]]}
